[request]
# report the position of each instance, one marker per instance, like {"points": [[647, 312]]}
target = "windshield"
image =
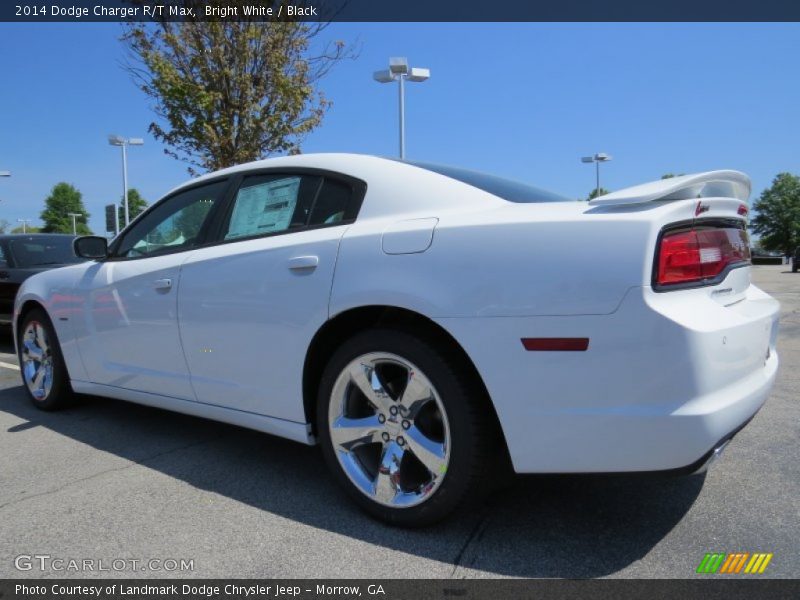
{"points": [[41, 252], [507, 189]]}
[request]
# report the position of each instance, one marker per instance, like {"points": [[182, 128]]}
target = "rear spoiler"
{"points": [[712, 184]]}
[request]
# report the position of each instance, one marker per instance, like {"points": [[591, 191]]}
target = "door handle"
{"points": [[298, 263], [163, 284], [4, 275]]}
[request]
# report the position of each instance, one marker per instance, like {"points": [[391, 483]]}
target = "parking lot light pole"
{"points": [[24, 224], [116, 140], [400, 72], [74, 223], [597, 159], [5, 173]]}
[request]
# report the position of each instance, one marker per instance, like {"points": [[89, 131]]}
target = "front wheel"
{"points": [[401, 429], [41, 363]]}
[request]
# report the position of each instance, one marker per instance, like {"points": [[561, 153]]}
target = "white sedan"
{"points": [[427, 325]]}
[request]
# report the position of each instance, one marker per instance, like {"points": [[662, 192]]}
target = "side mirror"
{"points": [[92, 247]]}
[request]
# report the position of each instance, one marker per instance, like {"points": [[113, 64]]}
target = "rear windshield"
{"points": [[41, 252], [507, 189]]}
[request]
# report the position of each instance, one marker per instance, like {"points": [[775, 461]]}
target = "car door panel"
{"points": [[248, 311], [128, 334]]}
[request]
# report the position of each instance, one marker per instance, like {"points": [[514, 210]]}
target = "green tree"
{"points": [[136, 206], [64, 199], [595, 193], [777, 218], [671, 175], [234, 91]]}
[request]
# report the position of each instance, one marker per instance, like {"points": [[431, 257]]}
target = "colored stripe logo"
{"points": [[737, 562]]}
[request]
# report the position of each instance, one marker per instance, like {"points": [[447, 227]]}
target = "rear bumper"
{"points": [[664, 380], [713, 455]]}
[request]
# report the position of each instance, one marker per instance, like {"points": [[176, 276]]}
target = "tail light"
{"points": [[700, 254]]}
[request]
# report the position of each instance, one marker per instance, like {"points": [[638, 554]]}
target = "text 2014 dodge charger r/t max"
{"points": [[421, 322]]}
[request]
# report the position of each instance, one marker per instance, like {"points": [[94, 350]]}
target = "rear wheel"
{"points": [[41, 363], [400, 429]]}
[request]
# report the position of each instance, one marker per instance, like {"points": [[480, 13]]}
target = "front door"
{"points": [[128, 335]]}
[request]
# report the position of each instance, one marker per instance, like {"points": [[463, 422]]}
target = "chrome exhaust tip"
{"points": [[712, 457]]}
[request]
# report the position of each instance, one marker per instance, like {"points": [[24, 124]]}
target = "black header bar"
{"points": [[404, 11]]}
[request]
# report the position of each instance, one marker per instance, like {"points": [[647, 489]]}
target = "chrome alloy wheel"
{"points": [[37, 360], [389, 429]]}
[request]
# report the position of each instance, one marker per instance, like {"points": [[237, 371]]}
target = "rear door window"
{"points": [[335, 204], [271, 204], [274, 203]]}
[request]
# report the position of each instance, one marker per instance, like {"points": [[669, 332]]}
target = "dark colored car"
{"points": [[23, 255], [796, 260]]}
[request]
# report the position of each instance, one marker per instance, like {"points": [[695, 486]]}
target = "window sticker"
{"points": [[264, 208]]}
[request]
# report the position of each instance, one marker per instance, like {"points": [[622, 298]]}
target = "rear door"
{"points": [[250, 305]]}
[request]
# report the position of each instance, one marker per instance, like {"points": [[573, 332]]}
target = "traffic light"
{"points": [[111, 218]]}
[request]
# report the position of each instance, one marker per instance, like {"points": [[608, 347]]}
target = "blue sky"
{"points": [[521, 100]]}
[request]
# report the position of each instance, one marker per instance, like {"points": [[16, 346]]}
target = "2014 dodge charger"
{"points": [[421, 322]]}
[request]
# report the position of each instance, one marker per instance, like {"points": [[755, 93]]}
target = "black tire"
{"points": [[794, 268], [58, 393], [465, 477]]}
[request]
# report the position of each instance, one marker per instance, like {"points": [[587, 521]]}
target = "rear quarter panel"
{"points": [[507, 260]]}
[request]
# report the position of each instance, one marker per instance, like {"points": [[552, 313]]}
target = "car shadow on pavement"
{"points": [[541, 526]]}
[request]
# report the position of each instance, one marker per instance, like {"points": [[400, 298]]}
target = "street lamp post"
{"points": [[399, 71], [74, 222], [24, 224], [597, 159], [5, 173], [116, 140]]}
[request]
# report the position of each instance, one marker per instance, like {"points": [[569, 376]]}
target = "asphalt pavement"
{"points": [[110, 481]]}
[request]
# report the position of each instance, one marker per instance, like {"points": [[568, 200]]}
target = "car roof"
{"points": [[341, 162], [402, 188]]}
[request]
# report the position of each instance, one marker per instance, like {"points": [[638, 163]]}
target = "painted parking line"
{"points": [[6, 365]]}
